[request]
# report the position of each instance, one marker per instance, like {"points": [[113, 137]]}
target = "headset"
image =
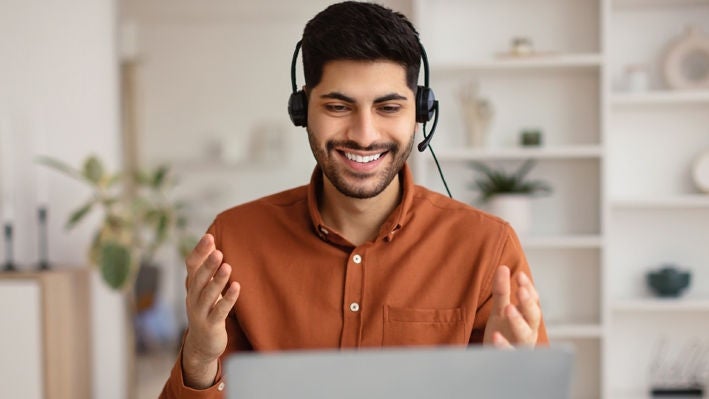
{"points": [[426, 107]]}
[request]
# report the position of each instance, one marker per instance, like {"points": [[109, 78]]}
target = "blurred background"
{"points": [[609, 99]]}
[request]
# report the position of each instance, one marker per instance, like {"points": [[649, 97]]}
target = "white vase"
{"points": [[515, 209]]}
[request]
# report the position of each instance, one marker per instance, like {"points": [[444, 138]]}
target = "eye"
{"points": [[390, 108], [337, 108]]}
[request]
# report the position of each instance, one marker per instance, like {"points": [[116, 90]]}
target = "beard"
{"points": [[353, 184]]}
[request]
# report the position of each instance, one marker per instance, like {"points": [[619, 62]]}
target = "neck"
{"points": [[358, 220]]}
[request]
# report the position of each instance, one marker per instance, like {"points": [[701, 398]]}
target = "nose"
{"points": [[363, 129]]}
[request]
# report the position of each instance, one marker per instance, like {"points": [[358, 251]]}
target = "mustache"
{"points": [[353, 145]]}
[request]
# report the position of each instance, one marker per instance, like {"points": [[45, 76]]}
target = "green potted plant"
{"points": [[138, 217], [508, 195]]}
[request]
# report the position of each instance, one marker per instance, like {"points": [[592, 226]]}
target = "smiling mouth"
{"points": [[362, 158]]}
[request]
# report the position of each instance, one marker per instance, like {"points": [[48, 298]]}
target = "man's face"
{"points": [[361, 121]]}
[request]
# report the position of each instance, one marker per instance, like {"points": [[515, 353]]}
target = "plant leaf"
{"points": [[93, 170], [159, 177], [114, 264], [79, 214], [59, 166]]}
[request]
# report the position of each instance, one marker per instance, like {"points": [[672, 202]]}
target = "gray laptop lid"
{"points": [[401, 373]]}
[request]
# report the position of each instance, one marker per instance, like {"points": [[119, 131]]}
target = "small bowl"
{"points": [[668, 282]]}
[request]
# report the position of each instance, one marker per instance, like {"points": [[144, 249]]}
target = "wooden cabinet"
{"points": [[45, 336]]}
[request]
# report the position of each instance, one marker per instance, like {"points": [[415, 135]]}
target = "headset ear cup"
{"points": [[298, 108], [424, 104]]}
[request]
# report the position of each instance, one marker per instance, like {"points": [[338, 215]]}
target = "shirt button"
{"points": [[220, 387], [354, 306], [357, 259], [324, 231]]}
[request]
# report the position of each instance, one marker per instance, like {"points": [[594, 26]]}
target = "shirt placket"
{"points": [[352, 300]]}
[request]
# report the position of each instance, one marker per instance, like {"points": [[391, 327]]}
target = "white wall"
{"points": [[58, 78]]}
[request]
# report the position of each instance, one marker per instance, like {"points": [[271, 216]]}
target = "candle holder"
{"points": [[9, 262], [43, 238]]}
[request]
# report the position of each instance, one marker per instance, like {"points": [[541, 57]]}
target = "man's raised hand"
{"points": [[509, 325], [207, 309]]}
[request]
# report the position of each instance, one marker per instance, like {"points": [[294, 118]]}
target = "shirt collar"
{"points": [[395, 222]]}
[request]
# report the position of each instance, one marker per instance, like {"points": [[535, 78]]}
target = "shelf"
{"points": [[661, 98], [574, 330], [562, 242], [661, 305], [553, 61], [680, 201], [666, 3], [566, 152]]}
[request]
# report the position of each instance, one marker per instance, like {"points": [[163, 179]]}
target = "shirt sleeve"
{"points": [[511, 255]]}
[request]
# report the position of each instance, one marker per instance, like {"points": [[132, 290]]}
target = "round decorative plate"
{"points": [[687, 62], [700, 172]]}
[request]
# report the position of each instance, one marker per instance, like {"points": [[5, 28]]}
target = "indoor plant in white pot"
{"points": [[508, 195]]}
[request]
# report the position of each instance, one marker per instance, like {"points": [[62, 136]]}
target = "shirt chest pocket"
{"points": [[411, 327]]}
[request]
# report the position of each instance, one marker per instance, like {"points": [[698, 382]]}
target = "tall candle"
{"points": [[41, 150], [7, 169]]}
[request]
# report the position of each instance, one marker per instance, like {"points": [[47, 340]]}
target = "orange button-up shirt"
{"points": [[425, 279]]}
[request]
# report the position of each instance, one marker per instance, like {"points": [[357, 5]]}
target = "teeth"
{"points": [[362, 159]]}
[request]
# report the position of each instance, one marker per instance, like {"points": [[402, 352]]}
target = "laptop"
{"points": [[474, 372]]}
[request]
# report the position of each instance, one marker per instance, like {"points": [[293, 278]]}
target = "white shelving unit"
{"points": [[623, 202], [654, 215]]}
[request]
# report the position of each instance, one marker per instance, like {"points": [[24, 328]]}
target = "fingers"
{"points": [[500, 342], [204, 272], [222, 308], [529, 302], [212, 289], [522, 333], [199, 254], [500, 290]]}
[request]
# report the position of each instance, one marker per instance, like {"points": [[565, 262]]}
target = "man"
{"points": [[360, 257]]}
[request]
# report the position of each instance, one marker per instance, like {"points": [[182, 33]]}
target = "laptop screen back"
{"points": [[401, 373]]}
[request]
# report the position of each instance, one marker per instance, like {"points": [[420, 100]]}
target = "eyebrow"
{"points": [[339, 96]]}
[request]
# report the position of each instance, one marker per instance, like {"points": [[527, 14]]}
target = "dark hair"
{"points": [[362, 32]]}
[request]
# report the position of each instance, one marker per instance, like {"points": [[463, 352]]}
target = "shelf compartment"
{"points": [[557, 275], [560, 152], [636, 339], [651, 151], [639, 240]]}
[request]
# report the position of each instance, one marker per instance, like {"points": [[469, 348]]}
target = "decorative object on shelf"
{"points": [[508, 195], [521, 46], [637, 78], [700, 172], [686, 64], [681, 377], [530, 138], [668, 281], [477, 114], [9, 265], [138, 218], [43, 238]]}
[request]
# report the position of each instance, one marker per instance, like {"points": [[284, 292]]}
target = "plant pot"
{"points": [[515, 209]]}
